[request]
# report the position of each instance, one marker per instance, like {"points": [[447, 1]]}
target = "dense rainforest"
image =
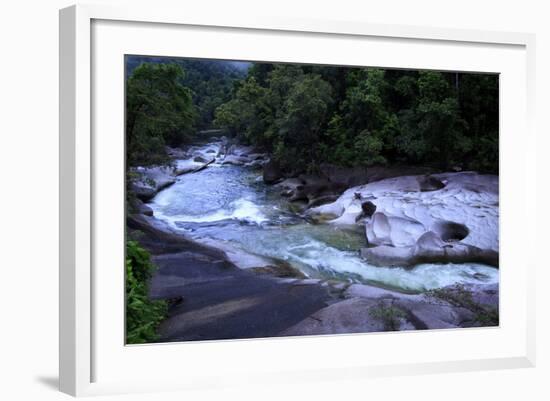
{"points": [[168, 100], [307, 115]]}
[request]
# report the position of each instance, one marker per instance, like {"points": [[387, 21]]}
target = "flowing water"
{"points": [[231, 204]]}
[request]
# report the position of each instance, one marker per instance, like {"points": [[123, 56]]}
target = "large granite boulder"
{"points": [[348, 316], [346, 176], [201, 158], [430, 248], [187, 166], [312, 190], [151, 180], [240, 150], [450, 217], [272, 172], [289, 186], [239, 155], [360, 175], [367, 308], [235, 160]]}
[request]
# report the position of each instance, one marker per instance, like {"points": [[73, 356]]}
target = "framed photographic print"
{"points": [[343, 195]]}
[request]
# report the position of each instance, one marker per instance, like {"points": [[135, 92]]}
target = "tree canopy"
{"points": [[159, 112], [210, 81], [308, 115]]}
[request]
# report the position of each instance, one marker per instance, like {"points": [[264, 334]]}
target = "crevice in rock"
{"points": [[450, 231]]}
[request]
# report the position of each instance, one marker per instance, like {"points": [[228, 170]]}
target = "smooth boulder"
{"points": [[429, 248], [272, 172], [457, 214], [235, 160], [151, 180]]}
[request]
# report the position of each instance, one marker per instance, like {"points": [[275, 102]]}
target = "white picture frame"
{"points": [[88, 366]]}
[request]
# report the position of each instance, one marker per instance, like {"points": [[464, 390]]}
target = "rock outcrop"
{"points": [[215, 298], [354, 176], [144, 209], [311, 190], [235, 160], [238, 155], [272, 172], [151, 180], [366, 308], [444, 218], [429, 248]]}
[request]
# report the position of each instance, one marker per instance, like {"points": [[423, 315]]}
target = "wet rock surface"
{"points": [[215, 298], [220, 301]]}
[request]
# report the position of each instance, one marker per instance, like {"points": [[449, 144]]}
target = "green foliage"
{"points": [[364, 125], [211, 82], [459, 296], [478, 98], [308, 115], [389, 315], [159, 112], [244, 116], [487, 317], [286, 116], [456, 295], [438, 131], [368, 148], [142, 314], [300, 120]]}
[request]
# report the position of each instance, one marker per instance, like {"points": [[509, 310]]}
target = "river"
{"points": [[231, 204]]}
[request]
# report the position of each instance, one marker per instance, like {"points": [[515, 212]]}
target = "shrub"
{"points": [[143, 315]]}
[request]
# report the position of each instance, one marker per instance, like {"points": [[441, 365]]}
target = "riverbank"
{"points": [[221, 291], [212, 298]]}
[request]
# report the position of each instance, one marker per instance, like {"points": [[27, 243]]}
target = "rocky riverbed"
{"points": [[349, 250]]}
